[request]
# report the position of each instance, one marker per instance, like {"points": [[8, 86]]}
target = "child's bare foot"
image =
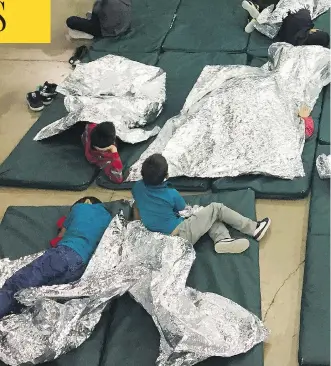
{"points": [[304, 111]]}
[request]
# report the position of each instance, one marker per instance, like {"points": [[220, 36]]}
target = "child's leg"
{"points": [[56, 266], [90, 26], [199, 224]]}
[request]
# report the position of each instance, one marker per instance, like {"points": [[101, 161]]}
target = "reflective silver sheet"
{"points": [[154, 268], [271, 18], [323, 165], [244, 120], [115, 89]]}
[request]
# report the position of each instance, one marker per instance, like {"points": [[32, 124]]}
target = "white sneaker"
{"points": [[252, 9], [250, 26], [75, 34], [231, 246]]}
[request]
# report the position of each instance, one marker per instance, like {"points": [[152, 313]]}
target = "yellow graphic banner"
{"points": [[25, 21]]}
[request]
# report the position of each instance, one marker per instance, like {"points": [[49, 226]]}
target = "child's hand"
{"points": [[113, 149], [304, 111]]}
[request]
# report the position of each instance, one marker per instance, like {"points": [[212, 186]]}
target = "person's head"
{"points": [[88, 200], [154, 170], [103, 135], [318, 38]]}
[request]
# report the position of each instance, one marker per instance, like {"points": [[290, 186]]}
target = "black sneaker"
{"points": [[48, 90], [261, 228], [34, 101], [47, 100]]}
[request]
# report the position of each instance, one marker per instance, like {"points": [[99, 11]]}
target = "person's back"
{"points": [[85, 226], [157, 203], [114, 16]]}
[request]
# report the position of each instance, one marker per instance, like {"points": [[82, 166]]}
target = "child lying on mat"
{"points": [[297, 28], [74, 246], [109, 18], [158, 206], [100, 149]]}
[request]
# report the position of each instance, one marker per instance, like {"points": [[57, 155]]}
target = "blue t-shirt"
{"points": [[85, 226], [158, 206]]}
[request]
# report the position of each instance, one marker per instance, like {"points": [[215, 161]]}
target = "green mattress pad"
{"points": [[183, 69], [319, 211], [55, 163], [126, 335], [151, 21], [209, 25], [258, 43], [133, 339], [314, 342], [324, 133], [272, 187], [145, 58]]}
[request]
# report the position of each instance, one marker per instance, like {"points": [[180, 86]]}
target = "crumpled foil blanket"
{"points": [[115, 89], [270, 19], [244, 120], [153, 268], [323, 165]]}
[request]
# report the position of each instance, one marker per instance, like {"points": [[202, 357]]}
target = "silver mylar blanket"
{"points": [[115, 89], [244, 120], [270, 19], [323, 165], [153, 268]]}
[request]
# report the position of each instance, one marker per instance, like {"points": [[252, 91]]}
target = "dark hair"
{"points": [[154, 170], [318, 38], [93, 200], [103, 135]]}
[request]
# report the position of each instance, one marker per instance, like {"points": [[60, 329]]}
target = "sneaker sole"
{"points": [[38, 109], [250, 27], [258, 238], [237, 246], [48, 103], [253, 12]]}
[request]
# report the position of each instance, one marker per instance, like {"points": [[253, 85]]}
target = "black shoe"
{"points": [[34, 101], [261, 228], [78, 55], [48, 90]]}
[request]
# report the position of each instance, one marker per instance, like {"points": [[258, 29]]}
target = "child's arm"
{"points": [[136, 214], [180, 203], [114, 168]]}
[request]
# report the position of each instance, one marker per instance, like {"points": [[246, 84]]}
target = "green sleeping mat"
{"points": [[271, 187], [182, 70], [319, 217], [132, 337], [59, 162], [151, 21], [258, 43], [314, 342], [126, 335], [207, 26], [324, 133], [56, 163]]}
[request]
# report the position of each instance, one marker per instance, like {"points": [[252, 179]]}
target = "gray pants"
{"points": [[211, 220]]}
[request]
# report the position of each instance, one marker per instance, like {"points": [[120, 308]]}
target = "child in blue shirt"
{"points": [[77, 241], [158, 206]]}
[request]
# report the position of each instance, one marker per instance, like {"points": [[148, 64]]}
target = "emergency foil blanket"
{"points": [[244, 120], [270, 19], [112, 89], [153, 268], [323, 165]]}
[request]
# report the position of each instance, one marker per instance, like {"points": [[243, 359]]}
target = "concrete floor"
{"points": [[282, 253]]}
